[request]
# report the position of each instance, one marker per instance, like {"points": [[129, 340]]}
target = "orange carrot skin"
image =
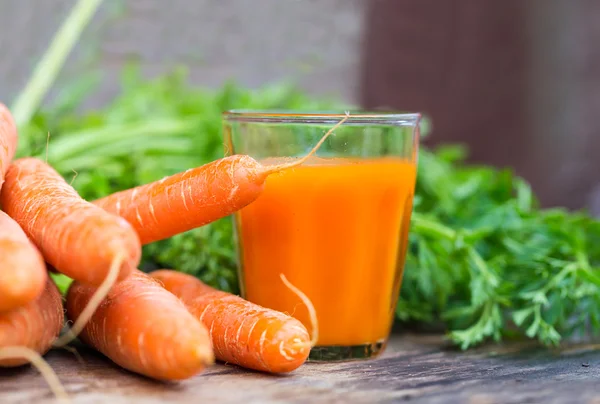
{"points": [[242, 332], [23, 272], [8, 140], [35, 325], [143, 328], [74, 236], [190, 199]]}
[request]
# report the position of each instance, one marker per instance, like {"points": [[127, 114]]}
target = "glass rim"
{"points": [[318, 117]]}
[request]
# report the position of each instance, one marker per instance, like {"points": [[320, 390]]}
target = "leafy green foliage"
{"points": [[206, 252], [483, 259], [487, 262]]}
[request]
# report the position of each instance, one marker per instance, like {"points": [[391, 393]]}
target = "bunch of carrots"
{"points": [[164, 325]]}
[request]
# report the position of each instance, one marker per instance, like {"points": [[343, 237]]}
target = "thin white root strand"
{"points": [[280, 167], [87, 313], [73, 351], [13, 352], [73, 179], [312, 313], [47, 146]]}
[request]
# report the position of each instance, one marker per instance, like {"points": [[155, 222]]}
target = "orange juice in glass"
{"points": [[335, 226]]}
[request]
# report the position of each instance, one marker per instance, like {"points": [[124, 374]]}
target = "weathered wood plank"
{"points": [[414, 369]]}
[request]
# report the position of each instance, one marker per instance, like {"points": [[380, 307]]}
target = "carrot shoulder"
{"points": [[23, 272], [196, 197], [8, 140], [143, 328], [34, 326], [242, 332]]}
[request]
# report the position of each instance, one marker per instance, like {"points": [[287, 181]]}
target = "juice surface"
{"points": [[338, 230]]}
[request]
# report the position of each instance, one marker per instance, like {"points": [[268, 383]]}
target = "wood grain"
{"points": [[415, 369]]}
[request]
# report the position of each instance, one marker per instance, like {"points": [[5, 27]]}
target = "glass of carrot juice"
{"points": [[335, 226]]}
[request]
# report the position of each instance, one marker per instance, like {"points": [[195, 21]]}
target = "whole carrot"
{"points": [[22, 270], [74, 236], [195, 197], [144, 328], [8, 140], [242, 332], [27, 333]]}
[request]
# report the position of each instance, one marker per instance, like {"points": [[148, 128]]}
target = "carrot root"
{"points": [[75, 353], [47, 146], [312, 313], [142, 327], [242, 332], [95, 301], [13, 352], [276, 168]]}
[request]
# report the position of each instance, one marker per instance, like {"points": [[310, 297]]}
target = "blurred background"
{"points": [[517, 81]]}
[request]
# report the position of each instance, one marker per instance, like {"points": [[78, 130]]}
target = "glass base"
{"points": [[334, 353]]}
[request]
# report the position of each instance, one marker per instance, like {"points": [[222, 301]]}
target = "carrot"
{"points": [[8, 140], [242, 332], [34, 325], [22, 270], [74, 236], [198, 196], [27, 333], [144, 328]]}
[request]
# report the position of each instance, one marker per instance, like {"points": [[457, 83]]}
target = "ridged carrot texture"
{"points": [[8, 140], [242, 332], [74, 236], [196, 197], [143, 328], [23, 272], [27, 333], [34, 325]]}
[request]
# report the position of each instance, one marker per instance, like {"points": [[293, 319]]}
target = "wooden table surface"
{"points": [[414, 369]]}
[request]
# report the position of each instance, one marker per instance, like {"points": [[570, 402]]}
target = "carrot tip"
{"points": [[205, 355], [300, 346]]}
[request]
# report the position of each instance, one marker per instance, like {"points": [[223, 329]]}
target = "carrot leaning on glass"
{"points": [[143, 328], [242, 332], [198, 196], [74, 236]]}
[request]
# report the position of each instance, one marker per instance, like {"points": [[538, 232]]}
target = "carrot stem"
{"points": [[41, 365], [95, 301]]}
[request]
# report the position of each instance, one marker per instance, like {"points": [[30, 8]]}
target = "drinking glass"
{"points": [[336, 226]]}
